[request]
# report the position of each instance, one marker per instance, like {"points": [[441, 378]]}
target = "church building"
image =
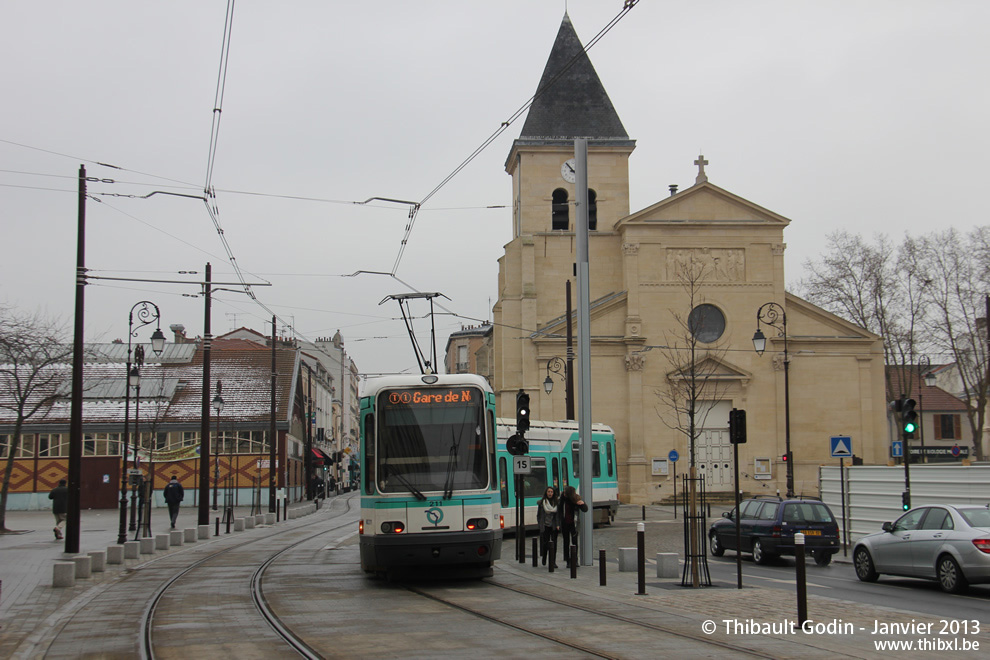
{"points": [[678, 291]]}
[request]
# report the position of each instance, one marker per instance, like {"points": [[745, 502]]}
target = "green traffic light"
{"points": [[909, 427]]}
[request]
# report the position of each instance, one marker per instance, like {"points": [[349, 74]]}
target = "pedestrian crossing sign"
{"points": [[841, 446]]}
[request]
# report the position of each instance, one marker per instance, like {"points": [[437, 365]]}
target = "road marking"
{"points": [[334, 546], [791, 582]]}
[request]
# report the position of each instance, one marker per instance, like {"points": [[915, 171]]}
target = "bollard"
{"points": [[641, 557], [217, 533], [115, 554], [202, 531], [189, 535], [552, 551], [132, 549], [98, 560], [644, 512], [285, 509], [601, 568], [802, 587], [162, 541], [574, 562], [534, 551], [84, 566], [175, 537], [239, 524], [249, 522], [64, 574]]}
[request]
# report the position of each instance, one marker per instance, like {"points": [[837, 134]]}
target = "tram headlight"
{"points": [[393, 527], [477, 523]]}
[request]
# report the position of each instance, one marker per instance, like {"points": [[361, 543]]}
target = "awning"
{"points": [[320, 457]]}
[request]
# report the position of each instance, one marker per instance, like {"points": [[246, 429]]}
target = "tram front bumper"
{"points": [[384, 551]]}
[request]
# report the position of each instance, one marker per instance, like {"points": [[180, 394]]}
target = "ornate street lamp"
{"points": [[559, 367], [772, 314], [217, 408], [147, 313]]}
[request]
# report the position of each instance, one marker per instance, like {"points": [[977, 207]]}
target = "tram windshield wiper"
{"points": [[448, 483], [405, 482]]}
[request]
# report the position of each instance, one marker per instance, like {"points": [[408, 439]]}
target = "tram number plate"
{"points": [[521, 465]]}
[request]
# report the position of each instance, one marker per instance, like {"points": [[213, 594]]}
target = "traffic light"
{"points": [[517, 445], [785, 458], [737, 426], [906, 500], [522, 412], [909, 417]]}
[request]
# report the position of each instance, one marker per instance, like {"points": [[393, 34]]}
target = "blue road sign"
{"points": [[841, 446], [673, 456], [897, 448]]}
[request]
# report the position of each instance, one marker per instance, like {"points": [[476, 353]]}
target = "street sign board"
{"points": [[841, 446], [673, 455], [521, 465], [897, 448]]}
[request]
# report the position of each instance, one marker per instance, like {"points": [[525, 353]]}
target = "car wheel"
{"points": [[950, 576], [715, 547], [761, 556], [863, 562], [822, 558]]}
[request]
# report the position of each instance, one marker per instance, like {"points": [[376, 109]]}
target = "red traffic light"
{"points": [[784, 458]]}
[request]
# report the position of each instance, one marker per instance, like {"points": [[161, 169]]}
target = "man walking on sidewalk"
{"points": [[59, 496], [173, 497]]}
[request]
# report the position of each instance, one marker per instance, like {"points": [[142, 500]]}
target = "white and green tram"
{"points": [[429, 491]]}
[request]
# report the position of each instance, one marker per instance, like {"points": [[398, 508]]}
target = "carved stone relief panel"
{"points": [[635, 362], [708, 264]]}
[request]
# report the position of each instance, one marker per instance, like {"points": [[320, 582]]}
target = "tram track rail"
{"points": [[296, 643]]}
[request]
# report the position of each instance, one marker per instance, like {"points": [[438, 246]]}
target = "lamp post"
{"points": [[559, 367], [217, 408], [772, 314], [924, 373], [147, 313]]}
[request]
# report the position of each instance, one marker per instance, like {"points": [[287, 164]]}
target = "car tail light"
{"points": [[776, 531], [983, 545]]}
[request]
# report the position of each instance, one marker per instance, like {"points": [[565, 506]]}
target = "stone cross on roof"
{"points": [[701, 162]]}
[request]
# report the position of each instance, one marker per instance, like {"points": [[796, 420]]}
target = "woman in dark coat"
{"points": [[548, 519], [570, 504]]}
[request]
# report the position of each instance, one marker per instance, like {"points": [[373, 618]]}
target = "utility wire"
{"points": [[228, 26]]}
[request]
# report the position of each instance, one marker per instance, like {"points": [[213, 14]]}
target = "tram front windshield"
{"points": [[431, 439]]}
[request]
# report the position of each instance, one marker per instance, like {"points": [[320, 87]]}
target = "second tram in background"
{"points": [[429, 494], [553, 452]]}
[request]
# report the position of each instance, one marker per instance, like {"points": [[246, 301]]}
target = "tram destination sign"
{"points": [[431, 396]]}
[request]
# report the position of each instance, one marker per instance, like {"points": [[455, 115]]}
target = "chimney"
{"points": [[180, 332], [673, 189]]}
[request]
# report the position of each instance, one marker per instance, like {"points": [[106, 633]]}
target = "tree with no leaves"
{"points": [[35, 359]]}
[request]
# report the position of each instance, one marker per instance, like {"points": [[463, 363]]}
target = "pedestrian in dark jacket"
{"points": [[59, 496], [173, 497], [548, 519], [570, 504]]}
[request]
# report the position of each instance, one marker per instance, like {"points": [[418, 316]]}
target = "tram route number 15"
{"points": [[521, 465]]}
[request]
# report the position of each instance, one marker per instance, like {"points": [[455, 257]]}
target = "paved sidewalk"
{"points": [[27, 555]]}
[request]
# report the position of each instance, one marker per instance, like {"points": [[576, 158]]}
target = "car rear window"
{"points": [[806, 512], [976, 517]]}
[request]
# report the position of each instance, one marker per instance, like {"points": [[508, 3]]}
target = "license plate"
{"points": [[811, 532]]}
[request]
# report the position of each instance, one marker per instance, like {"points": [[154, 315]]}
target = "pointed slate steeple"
{"points": [[571, 100]]}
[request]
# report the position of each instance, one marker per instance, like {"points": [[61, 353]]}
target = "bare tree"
{"points": [[35, 359], [956, 268], [692, 386]]}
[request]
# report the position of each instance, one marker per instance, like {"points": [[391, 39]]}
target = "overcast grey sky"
{"points": [[864, 116]]}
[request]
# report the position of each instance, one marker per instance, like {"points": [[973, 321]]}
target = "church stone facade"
{"points": [[676, 284]]}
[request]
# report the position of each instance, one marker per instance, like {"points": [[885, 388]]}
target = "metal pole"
{"points": [[675, 489], [842, 479], [122, 531], [204, 428], [272, 434], [787, 413], [802, 586], [569, 371], [641, 558], [735, 482], [584, 344], [75, 425]]}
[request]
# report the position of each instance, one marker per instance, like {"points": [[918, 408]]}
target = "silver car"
{"points": [[950, 544]]}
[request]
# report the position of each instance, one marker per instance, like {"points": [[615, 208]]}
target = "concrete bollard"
{"points": [[147, 545], [115, 554], [204, 531], [162, 541], [64, 574], [84, 566], [668, 565], [175, 537], [269, 518], [249, 522], [627, 560], [259, 519], [238, 524], [97, 560], [189, 535], [132, 549]]}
